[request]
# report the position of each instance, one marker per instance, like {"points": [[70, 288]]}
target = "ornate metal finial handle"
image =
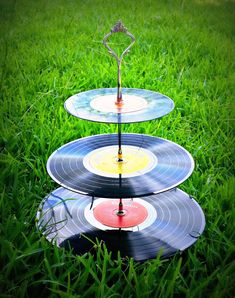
{"points": [[119, 27]]}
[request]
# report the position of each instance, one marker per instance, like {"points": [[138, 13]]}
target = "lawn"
{"points": [[51, 50]]}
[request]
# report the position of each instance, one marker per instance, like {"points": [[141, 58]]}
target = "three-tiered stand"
{"points": [[121, 188]]}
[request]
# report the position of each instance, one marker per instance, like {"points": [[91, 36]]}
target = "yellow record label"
{"points": [[104, 161]]}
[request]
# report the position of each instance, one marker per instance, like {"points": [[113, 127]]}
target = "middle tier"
{"points": [[90, 166]]}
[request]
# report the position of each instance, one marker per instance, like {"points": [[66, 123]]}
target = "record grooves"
{"points": [[168, 229], [120, 189], [66, 167]]}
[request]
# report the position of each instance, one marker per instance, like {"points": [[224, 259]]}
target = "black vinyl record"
{"points": [[138, 105], [174, 222], [150, 165]]}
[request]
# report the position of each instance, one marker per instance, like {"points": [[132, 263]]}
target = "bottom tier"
{"points": [[163, 223]]}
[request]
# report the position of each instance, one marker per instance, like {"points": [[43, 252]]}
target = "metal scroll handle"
{"points": [[119, 27]]}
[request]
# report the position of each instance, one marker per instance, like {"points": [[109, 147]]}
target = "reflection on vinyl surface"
{"points": [[138, 105]]}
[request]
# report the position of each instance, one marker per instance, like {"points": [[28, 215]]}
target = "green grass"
{"points": [[53, 49]]}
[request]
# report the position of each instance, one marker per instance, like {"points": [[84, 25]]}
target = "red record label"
{"points": [[107, 214]]}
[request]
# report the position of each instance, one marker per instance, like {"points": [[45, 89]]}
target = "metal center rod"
{"points": [[119, 83], [119, 104], [119, 27], [120, 158], [120, 212]]}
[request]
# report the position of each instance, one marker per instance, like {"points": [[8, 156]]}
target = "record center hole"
{"points": [[120, 212], [120, 160]]}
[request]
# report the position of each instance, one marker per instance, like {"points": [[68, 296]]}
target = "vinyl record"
{"points": [[150, 165], [174, 223], [99, 105]]}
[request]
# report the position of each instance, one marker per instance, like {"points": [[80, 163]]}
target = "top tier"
{"points": [[117, 105], [99, 105]]}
